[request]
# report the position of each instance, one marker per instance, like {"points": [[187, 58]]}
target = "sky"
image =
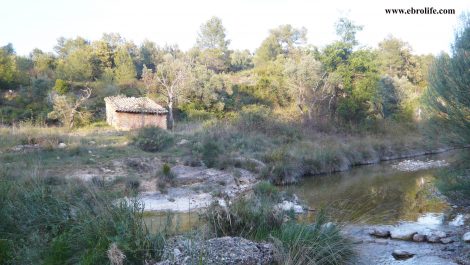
{"points": [[29, 24]]}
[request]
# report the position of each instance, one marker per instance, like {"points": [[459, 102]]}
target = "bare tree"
{"points": [[169, 79], [67, 110]]}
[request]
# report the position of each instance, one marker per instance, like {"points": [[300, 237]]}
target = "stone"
{"points": [[379, 232], [419, 238], [435, 236], [459, 220], [223, 250], [466, 237], [62, 145], [287, 206], [183, 142], [433, 239], [402, 233], [402, 254]]}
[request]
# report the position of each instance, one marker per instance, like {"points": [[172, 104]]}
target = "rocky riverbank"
{"points": [[417, 243]]}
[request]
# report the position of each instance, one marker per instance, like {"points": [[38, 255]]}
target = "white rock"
{"points": [[182, 142], [458, 220], [402, 233], [62, 145], [466, 237], [379, 232], [402, 254], [287, 206]]}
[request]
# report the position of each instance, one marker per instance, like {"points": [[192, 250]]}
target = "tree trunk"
{"points": [[171, 121]]}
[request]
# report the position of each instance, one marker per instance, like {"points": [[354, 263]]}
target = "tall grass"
{"points": [[72, 223], [258, 218]]}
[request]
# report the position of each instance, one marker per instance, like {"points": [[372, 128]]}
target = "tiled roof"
{"points": [[135, 105]]}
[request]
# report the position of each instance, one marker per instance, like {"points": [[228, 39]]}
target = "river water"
{"points": [[384, 193]]}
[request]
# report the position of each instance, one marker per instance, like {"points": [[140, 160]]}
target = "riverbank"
{"points": [[198, 165]]}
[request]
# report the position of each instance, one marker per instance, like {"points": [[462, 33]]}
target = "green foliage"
{"points": [[282, 168], [454, 181], [68, 224], [75, 57], [125, 69], [282, 40], [212, 35], [153, 139], [166, 176], [448, 97], [347, 31], [211, 151], [212, 42], [61, 87], [266, 189], [7, 68], [241, 60]]}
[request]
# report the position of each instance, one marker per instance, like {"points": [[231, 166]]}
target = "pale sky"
{"points": [[30, 24]]}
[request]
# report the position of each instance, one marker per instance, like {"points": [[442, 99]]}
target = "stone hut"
{"points": [[126, 113]]}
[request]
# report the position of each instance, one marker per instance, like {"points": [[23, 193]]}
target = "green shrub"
{"points": [[265, 188], [165, 177], [317, 243], [153, 139], [61, 87], [211, 151], [282, 168]]}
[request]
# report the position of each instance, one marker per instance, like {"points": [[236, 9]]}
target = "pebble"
{"points": [[402, 254], [419, 238], [379, 232], [466, 237]]}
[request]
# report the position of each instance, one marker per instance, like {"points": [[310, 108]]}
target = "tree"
{"points": [[396, 59], [213, 45], [75, 59], [212, 35], [303, 77], [241, 60], [44, 64], [68, 109], [169, 79], [281, 40], [448, 95], [347, 30], [125, 69], [7, 69]]}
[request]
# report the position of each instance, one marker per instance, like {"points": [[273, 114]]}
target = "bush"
{"points": [[265, 188], [61, 87], [211, 151], [282, 168], [317, 243], [153, 139], [165, 177]]}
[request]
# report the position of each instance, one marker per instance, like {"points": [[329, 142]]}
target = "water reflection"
{"points": [[174, 222], [374, 194]]}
